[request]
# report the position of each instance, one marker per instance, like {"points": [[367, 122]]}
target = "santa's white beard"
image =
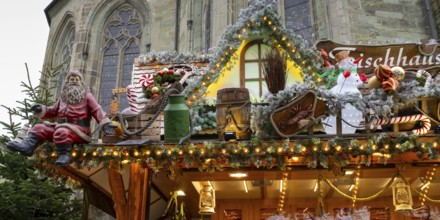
{"points": [[73, 94]]}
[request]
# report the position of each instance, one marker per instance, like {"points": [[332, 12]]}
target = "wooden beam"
{"points": [[93, 193], [137, 192], [263, 190], [118, 192]]}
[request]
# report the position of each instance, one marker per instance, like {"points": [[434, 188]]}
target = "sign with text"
{"points": [[408, 56]]}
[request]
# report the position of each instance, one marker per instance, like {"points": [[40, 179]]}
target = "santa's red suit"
{"points": [[73, 121]]}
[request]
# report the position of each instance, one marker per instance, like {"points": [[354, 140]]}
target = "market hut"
{"points": [[302, 172]]}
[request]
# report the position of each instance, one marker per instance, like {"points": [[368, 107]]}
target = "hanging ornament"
{"points": [[146, 80], [155, 90], [383, 72], [207, 200], [167, 71], [374, 83], [398, 72], [402, 198], [390, 85]]}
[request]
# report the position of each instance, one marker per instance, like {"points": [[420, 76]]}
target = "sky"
{"points": [[24, 36]]}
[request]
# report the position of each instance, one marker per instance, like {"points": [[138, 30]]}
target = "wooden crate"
{"points": [[135, 123]]}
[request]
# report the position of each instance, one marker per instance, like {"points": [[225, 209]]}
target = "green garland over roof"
{"points": [[260, 20]]}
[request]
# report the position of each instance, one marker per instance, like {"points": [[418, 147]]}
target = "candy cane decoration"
{"points": [[132, 97], [397, 120], [146, 80]]}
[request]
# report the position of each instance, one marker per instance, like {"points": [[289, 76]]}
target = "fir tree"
{"points": [[29, 192]]}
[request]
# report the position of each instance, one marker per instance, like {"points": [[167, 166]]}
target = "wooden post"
{"points": [[134, 207], [118, 192], [137, 192], [339, 122], [396, 126]]}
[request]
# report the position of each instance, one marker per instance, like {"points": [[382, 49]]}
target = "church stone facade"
{"points": [[102, 37]]}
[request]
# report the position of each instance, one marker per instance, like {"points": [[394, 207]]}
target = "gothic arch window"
{"points": [[122, 32], [299, 18], [251, 75], [63, 56]]}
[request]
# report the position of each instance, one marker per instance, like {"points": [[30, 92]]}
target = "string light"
{"points": [[338, 148], [356, 184], [283, 189], [426, 183]]}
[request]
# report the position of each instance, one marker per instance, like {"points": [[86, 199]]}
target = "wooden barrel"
{"points": [[233, 110]]}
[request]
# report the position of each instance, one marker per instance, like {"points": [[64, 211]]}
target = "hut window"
{"points": [[122, 32], [251, 75]]}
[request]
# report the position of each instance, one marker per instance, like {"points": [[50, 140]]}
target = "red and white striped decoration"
{"points": [[146, 80], [132, 98], [397, 120]]}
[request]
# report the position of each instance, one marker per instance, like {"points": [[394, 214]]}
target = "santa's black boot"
{"points": [[64, 157], [25, 147]]}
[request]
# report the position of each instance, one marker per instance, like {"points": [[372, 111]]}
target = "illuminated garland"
{"points": [[354, 198], [356, 183], [213, 155], [282, 192], [259, 19], [425, 196], [427, 181]]}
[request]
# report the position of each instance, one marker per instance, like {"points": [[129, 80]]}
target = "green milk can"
{"points": [[176, 117]]}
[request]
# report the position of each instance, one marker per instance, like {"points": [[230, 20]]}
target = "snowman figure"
{"points": [[347, 82]]}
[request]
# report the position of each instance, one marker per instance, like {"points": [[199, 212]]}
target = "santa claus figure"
{"points": [[73, 111]]}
